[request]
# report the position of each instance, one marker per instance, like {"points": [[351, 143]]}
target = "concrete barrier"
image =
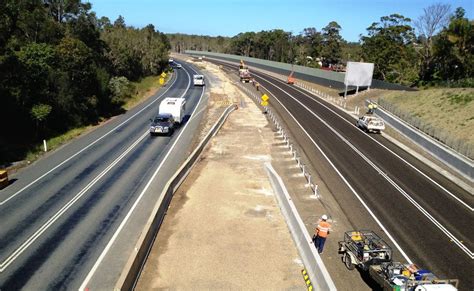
{"points": [[457, 162], [318, 76], [320, 278], [136, 261]]}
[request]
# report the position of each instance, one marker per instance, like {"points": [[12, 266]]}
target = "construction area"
{"points": [[224, 229]]}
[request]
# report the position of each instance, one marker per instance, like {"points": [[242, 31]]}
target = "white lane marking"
{"points": [[304, 92], [85, 148], [127, 217], [396, 186], [343, 178], [189, 83], [68, 205]]}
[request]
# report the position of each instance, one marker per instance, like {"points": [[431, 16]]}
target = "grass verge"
{"points": [[143, 89], [446, 114]]}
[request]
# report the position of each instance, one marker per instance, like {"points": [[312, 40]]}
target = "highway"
{"points": [[71, 219], [424, 216]]}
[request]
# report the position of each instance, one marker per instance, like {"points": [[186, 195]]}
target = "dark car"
{"points": [[162, 124]]}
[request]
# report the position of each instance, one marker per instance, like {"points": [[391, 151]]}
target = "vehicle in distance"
{"points": [[198, 80], [244, 72], [178, 66], [170, 60], [162, 124], [371, 123]]}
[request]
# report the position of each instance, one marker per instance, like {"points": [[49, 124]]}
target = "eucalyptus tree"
{"points": [[390, 46]]}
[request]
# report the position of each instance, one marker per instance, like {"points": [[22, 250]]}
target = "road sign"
{"points": [[162, 81], [265, 97], [264, 103], [163, 75]]}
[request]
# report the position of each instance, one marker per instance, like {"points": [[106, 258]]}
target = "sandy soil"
{"points": [[224, 229]]}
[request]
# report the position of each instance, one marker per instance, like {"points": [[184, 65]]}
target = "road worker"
{"points": [[321, 233], [371, 108]]}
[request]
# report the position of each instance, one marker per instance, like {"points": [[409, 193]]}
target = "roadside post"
{"points": [[162, 78], [264, 102]]}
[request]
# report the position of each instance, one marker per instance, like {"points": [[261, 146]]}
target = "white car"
{"points": [[371, 123], [198, 80], [178, 66]]}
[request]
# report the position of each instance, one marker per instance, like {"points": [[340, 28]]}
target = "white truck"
{"points": [[170, 116], [198, 80], [371, 123]]}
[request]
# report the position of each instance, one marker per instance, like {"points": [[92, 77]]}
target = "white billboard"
{"points": [[359, 74]]}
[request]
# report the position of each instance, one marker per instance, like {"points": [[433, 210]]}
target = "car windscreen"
{"points": [[161, 119]]}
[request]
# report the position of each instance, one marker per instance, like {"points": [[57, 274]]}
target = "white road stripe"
{"points": [[127, 217], [68, 205], [344, 179], [85, 148], [395, 154], [396, 186]]}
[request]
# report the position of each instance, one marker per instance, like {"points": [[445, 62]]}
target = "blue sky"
{"points": [[229, 17]]}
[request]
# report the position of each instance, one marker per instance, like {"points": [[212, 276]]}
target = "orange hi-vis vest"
{"points": [[323, 229]]}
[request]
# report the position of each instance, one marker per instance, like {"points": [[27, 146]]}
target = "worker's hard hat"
{"points": [[324, 217]]}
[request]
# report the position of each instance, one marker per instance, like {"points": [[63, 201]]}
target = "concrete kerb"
{"points": [[136, 261], [463, 165], [467, 171], [320, 278], [468, 166]]}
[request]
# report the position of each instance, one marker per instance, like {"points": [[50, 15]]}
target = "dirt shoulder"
{"points": [[224, 229]]}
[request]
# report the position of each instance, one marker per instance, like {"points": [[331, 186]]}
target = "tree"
{"points": [[389, 45], [332, 41], [119, 22], [434, 18], [40, 112], [121, 89], [454, 49], [243, 43]]}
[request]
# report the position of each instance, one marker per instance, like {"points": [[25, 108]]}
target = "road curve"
{"points": [[61, 212], [428, 216]]}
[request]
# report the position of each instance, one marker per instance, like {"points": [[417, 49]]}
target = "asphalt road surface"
{"points": [[71, 219], [426, 218]]}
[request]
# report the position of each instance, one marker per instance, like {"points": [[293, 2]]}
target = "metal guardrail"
{"points": [[136, 261], [318, 76], [461, 164], [320, 278]]}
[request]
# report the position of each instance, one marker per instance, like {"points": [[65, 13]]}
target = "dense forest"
{"points": [[436, 48], [61, 66]]}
